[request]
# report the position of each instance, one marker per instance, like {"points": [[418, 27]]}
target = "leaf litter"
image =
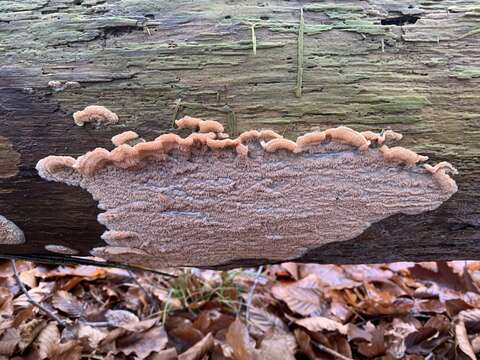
{"points": [[295, 311]]}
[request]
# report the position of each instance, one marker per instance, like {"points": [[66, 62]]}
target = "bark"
{"points": [[366, 64]]}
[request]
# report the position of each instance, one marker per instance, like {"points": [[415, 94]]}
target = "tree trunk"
{"points": [[369, 65]]}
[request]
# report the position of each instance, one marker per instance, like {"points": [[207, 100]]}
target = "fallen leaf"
{"points": [[47, 341], [143, 343], [67, 303], [303, 297], [120, 318], [240, 342], [197, 351], [461, 339], [277, 346], [320, 323]]}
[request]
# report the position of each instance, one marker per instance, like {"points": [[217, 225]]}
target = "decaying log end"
{"points": [[200, 201]]}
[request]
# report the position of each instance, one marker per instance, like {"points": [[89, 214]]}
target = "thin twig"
{"points": [[331, 351], [149, 296], [251, 292], [29, 297]]}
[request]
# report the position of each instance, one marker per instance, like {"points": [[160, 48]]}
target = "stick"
{"points": [[30, 299], [331, 351], [298, 88]]}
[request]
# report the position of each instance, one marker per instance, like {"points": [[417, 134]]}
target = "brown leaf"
{"points": [[278, 346], [461, 339], [238, 338], [90, 336], [376, 347], [303, 297], [144, 343], [185, 336], [70, 350], [444, 276], [266, 321], [212, 321], [304, 342], [47, 341], [9, 341], [332, 276], [197, 351], [67, 303], [120, 318], [320, 323], [167, 354], [6, 305]]}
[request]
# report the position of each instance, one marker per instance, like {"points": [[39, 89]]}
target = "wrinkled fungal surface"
{"points": [[192, 202], [10, 234]]}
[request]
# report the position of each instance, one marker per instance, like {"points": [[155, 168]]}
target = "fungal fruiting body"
{"points": [[95, 113], [10, 233], [174, 201], [61, 249], [380, 138], [203, 126], [347, 136], [126, 137], [401, 155]]}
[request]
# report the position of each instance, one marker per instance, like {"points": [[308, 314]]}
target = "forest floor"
{"points": [[287, 311]]}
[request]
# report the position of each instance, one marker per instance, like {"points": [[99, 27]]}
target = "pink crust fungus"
{"points": [[175, 201], [126, 137], [10, 233], [95, 113], [401, 155], [203, 126]]}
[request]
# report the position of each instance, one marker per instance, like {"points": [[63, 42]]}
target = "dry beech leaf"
{"points": [[142, 344], [70, 350], [197, 351], [376, 347], [9, 342], [67, 303], [266, 321], [240, 342], [90, 336], [461, 339], [303, 297], [278, 346], [305, 343], [120, 318], [167, 354], [47, 341], [320, 323], [29, 332], [6, 304]]}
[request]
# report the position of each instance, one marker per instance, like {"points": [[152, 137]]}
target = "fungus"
{"points": [[253, 135], [163, 208], [280, 144], [126, 137], [439, 173], [61, 249], [10, 233], [401, 155], [203, 126], [95, 113], [313, 138], [347, 136], [387, 135]]}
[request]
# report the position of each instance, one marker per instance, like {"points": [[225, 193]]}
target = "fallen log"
{"points": [[370, 67]]}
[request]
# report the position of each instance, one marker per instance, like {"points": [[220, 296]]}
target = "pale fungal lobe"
{"points": [[194, 201], [61, 249], [10, 233], [203, 126], [124, 138], [95, 113]]}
